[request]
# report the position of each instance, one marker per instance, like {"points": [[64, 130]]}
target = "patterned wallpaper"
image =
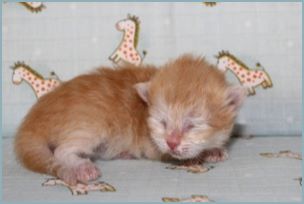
{"points": [[261, 43]]}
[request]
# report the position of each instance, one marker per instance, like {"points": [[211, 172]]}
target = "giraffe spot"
{"points": [[130, 48], [237, 73], [128, 36], [30, 78], [130, 41], [43, 89], [125, 52], [248, 73], [254, 76], [248, 79], [42, 82], [131, 55], [242, 75], [125, 45]]}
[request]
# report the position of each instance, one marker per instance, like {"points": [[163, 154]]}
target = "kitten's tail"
{"points": [[34, 153]]}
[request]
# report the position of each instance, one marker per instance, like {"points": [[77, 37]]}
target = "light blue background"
{"points": [[73, 38]]}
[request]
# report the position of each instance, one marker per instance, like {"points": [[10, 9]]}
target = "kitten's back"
{"points": [[103, 99]]}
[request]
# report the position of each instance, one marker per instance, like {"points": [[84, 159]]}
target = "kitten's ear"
{"points": [[142, 90], [235, 97]]}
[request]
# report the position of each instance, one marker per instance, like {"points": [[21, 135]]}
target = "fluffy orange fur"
{"points": [[180, 109]]}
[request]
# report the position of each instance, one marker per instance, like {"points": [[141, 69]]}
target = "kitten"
{"points": [[181, 109]]}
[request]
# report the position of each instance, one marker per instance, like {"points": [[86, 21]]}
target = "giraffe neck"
{"points": [[129, 35], [30, 78], [235, 67]]}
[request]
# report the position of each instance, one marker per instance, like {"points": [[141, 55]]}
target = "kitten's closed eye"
{"points": [[188, 126]]}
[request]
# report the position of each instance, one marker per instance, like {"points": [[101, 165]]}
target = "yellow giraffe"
{"points": [[34, 7], [126, 50], [249, 78], [40, 85]]}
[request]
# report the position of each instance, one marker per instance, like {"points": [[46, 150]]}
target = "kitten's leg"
{"points": [[214, 155], [71, 166]]}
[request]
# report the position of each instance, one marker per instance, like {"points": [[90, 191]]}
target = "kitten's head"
{"points": [[191, 107]]}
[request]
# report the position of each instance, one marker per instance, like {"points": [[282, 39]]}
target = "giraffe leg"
{"points": [[268, 81], [116, 58], [264, 84], [251, 91], [113, 57]]}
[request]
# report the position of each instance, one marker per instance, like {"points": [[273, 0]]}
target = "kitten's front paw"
{"points": [[215, 155], [84, 173], [67, 175], [87, 172]]}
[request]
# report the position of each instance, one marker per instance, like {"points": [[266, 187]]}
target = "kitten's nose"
{"points": [[173, 143]]}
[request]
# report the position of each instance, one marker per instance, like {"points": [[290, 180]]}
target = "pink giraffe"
{"points": [[248, 78], [39, 84], [126, 50]]}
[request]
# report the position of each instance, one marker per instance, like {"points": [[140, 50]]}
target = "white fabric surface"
{"points": [[244, 177]]}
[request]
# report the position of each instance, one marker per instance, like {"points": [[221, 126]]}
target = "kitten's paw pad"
{"points": [[215, 155], [86, 172]]}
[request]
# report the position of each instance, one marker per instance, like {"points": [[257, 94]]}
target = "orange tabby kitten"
{"points": [[183, 109]]}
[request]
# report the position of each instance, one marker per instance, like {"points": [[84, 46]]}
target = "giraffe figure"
{"points": [[39, 84], [193, 198], [126, 50], [34, 7], [209, 3], [249, 78], [81, 188]]}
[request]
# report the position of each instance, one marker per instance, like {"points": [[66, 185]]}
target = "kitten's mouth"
{"points": [[181, 154], [177, 155]]}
